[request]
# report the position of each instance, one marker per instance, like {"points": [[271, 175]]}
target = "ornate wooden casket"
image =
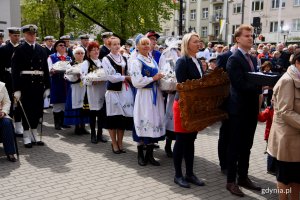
{"points": [[200, 100]]}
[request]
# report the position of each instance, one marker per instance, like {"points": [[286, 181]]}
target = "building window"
{"points": [[218, 12], [274, 26], [257, 5], [296, 2], [204, 13], [237, 8], [3, 22], [204, 31], [296, 25], [234, 27], [275, 3], [217, 30], [193, 14]]}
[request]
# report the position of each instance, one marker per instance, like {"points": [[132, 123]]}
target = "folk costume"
{"points": [[58, 90], [76, 109], [96, 99], [148, 112], [168, 59], [118, 97]]}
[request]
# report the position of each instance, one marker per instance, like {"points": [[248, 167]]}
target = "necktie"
{"points": [[250, 62], [62, 58], [32, 47]]}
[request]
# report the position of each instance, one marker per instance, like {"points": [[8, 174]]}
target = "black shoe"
{"points": [[156, 146], [247, 183], [101, 138], [40, 143], [84, 131], [11, 158], [141, 158], [29, 145], [181, 182], [121, 150], [149, 156], [115, 151], [65, 126], [57, 127], [94, 138], [77, 131], [234, 189], [168, 152], [193, 179]]}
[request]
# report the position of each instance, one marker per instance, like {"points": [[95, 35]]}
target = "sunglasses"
{"points": [[79, 53], [61, 45]]}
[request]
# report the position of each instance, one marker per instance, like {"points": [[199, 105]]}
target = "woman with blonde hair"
{"points": [[187, 68]]}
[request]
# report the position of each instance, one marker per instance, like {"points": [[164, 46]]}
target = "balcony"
{"points": [[217, 1], [215, 18]]}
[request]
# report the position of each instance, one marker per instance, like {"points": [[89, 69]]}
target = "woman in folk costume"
{"points": [[76, 112], [95, 92], [167, 62], [148, 113], [58, 84], [118, 97]]}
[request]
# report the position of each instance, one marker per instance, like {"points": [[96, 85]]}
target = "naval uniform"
{"points": [[30, 76]]}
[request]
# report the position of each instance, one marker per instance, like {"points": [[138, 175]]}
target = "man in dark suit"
{"points": [[105, 49], [31, 83], [6, 53], [1, 38], [84, 42], [49, 45], [243, 110], [224, 129]]}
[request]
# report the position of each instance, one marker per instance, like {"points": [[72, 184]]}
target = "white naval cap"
{"points": [[49, 37], [14, 30], [106, 34], [65, 37], [29, 28], [84, 36]]}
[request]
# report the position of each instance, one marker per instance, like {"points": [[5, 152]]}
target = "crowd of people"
{"points": [[119, 88]]}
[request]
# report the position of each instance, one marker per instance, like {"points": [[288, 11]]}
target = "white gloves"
{"points": [[46, 93], [17, 95]]}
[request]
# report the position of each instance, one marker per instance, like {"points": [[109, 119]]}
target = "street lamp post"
{"points": [[243, 11], [180, 16]]}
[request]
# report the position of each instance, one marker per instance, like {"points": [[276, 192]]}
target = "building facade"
{"points": [[10, 15], [216, 20]]}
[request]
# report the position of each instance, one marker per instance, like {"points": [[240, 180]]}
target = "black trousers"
{"points": [[223, 143], [242, 130], [184, 148]]}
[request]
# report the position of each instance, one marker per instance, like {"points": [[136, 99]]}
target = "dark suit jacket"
{"points": [[186, 69], [222, 60], [243, 94], [104, 51]]}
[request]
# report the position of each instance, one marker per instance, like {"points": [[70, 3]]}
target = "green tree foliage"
{"points": [[123, 17]]}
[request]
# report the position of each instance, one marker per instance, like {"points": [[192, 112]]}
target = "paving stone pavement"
{"points": [[70, 167]]}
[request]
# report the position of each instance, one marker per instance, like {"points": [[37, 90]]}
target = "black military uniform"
{"points": [[84, 37], [31, 79], [104, 51], [49, 50], [6, 53], [1, 38]]}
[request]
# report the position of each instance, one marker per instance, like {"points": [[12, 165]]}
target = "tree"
{"points": [[124, 17]]}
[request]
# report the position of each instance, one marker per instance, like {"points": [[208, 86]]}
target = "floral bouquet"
{"points": [[74, 70], [168, 82], [61, 66], [97, 75]]}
